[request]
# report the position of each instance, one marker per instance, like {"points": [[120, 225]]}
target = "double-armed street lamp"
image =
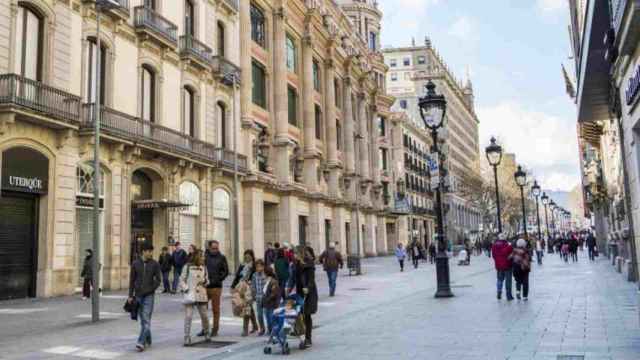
{"points": [[433, 108], [494, 157], [552, 206], [521, 179], [545, 202], [535, 190]]}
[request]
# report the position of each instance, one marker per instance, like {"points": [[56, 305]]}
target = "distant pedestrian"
{"points": [[521, 268], [166, 264], [87, 274], [144, 279], [539, 250], [573, 247], [401, 255], [179, 260], [501, 253], [288, 252], [331, 260], [269, 255], [193, 282], [282, 271], [432, 252], [415, 254], [591, 246], [217, 271], [270, 297], [245, 272], [564, 250]]}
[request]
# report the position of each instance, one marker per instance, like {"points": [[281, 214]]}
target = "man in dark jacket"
{"points": [[501, 252], [591, 245], [303, 280], [144, 280], [331, 259], [166, 263], [179, 259], [269, 255], [218, 270]]}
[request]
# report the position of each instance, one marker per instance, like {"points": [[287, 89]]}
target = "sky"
{"points": [[513, 51]]}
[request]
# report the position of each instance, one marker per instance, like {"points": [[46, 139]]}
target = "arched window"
{"points": [[86, 181], [189, 18], [221, 42], [141, 186], [188, 107], [28, 54], [221, 135], [148, 85], [92, 71]]}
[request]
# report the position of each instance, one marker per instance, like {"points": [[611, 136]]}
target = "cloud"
{"points": [[462, 28], [543, 143], [550, 6]]}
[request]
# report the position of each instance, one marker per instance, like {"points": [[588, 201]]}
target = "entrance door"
{"points": [[17, 246], [302, 229]]}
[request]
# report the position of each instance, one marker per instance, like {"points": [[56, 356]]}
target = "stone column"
{"points": [[288, 220], [281, 120], [252, 212], [364, 141], [338, 230], [316, 227], [311, 155], [331, 138], [349, 128], [370, 235], [375, 156]]}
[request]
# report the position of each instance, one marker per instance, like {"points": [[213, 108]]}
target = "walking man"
{"points": [[501, 251], [591, 245], [217, 270], [179, 259], [166, 263], [331, 259], [432, 252], [144, 280]]}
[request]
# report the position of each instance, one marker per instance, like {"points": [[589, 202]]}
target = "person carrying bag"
{"points": [[193, 282]]}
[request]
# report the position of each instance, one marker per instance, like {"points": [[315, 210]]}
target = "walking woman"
{"points": [[193, 282], [521, 267], [303, 279], [401, 254], [245, 272], [87, 274]]}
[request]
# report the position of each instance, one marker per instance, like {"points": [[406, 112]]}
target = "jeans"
{"points": [[504, 276], [260, 314], [522, 281], [145, 309], [401, 261], [214, 295], [268, 313], [165, 281], [332, 275], [415, 261], [592, 253], [283, 285], [539, 256], [177, 271]]}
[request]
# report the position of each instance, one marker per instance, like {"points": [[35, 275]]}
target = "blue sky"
{"points": [[513, 50]]}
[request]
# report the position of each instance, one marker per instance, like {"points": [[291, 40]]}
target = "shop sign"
{"points": [[87, 201], [634, 87], [25, 170]]}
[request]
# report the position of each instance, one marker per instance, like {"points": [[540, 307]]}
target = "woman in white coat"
{"points": [[193, 282]]}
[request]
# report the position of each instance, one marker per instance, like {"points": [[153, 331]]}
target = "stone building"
{"points": [[168, 89], [316, 126], [410, 68]]}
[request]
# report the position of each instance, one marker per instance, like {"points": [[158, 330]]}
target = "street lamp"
{"points": [[545, 202], [521, 180], [494, 156], [535, 190], [433, 108], [553, 207]]}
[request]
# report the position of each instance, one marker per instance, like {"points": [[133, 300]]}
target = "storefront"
{"points": [[25, 178]]}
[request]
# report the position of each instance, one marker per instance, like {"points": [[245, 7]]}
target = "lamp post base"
{"points": [[442, 275]]}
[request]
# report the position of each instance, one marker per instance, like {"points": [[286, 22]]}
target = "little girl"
{"points": [[401, 254]]}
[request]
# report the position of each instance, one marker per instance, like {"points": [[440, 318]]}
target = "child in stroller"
{"points": [[287, 320]]}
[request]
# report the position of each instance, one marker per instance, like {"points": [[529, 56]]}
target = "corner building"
{"points": [[315, 123], [169, 99]]}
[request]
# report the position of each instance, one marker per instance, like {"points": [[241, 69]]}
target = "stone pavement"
{"points": [[575, 309]]}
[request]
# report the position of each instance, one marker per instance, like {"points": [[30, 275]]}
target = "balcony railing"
{"points": [[233, 4], [190, 46], [38, 97], [134, 129], [228, 71], [120, 6], [147, 18]]}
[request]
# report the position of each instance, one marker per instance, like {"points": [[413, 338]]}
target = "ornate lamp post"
{"points": [[553, 207], [535, 190], [433, 108], [545, 202], [494, 157], [521, 180]]}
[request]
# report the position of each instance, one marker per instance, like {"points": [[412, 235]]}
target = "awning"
{"points": [[159, 204]]}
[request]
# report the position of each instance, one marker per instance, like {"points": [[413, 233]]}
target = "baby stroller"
{"points": [[286, 323]]}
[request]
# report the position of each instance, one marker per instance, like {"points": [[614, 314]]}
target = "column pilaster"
{"points": [[311, 155], [349, 128], [283, 145], [365, 165]]}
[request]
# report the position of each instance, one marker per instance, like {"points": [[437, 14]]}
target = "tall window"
{"points": [[372, 41], [151, 4], [222, 125], [382, 127], [189, 17], [406, 61], [257, 25], [92, 68], [337, 95], [318, 115], [338, 136], [188, 104], [28, 57], [292, 105], [148, 94], [383, 159], [221, 42], [291, 54], [316, 76], [259, 88]]}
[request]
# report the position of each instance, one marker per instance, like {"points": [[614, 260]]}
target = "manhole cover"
{"points": [[570, 357], [359, 289], [462, 286], [212, 344]]}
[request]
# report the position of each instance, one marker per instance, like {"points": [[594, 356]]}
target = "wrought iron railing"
{"points": [[134, 129], [190, 46], [228, 71], [117, 5], [35, 96], [148, 18]]}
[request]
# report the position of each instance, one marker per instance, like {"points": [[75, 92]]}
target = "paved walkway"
{"points": [[575, 309]]}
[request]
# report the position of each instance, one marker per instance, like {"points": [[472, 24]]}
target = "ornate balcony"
{"points": [[195, 51], [37, 102], [158, 138], [151, 25], [227, 72], [118, 9]]}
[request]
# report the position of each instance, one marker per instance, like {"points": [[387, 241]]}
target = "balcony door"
{"points": [[151, 4], [188, 111], [189, 18], [92, 72], [221, 140], [28, 55]]}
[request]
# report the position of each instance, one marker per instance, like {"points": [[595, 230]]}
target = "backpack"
{"points": [[331, 260]]}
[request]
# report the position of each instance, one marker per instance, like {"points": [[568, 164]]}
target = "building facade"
{"points": [[168, 91], [410, 68]]}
